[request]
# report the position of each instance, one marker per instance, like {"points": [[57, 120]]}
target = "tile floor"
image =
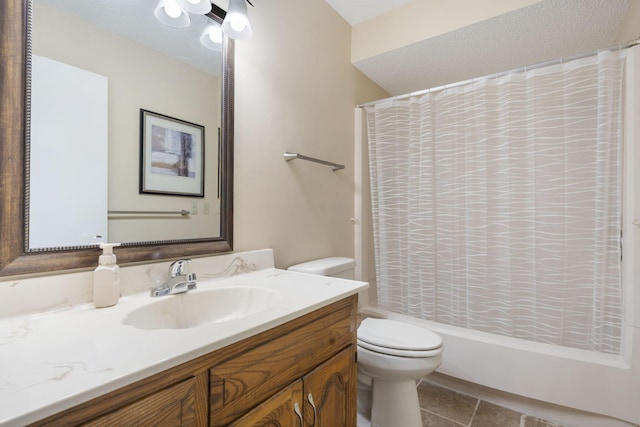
{"points": [[442, 407]]}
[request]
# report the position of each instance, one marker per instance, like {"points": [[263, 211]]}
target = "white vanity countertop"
{"points": [[53, 361]]}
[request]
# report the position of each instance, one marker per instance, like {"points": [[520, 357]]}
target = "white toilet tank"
{"points": [[344, 268]]}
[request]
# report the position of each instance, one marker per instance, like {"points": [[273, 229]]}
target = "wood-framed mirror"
{"points": [[16, 256]]}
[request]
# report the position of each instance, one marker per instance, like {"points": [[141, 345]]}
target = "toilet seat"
{"points": [[398, 338], [398, 352]]}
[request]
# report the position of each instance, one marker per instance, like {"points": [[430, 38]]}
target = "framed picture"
{"points": [[171, 156]]}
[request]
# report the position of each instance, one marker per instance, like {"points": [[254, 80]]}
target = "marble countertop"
{"points": [[55, 360]]}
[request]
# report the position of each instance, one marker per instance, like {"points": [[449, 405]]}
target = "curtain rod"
{"points": [[613, 48]]}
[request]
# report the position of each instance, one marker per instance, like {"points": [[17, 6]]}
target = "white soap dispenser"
{"points": [[106, 278]]}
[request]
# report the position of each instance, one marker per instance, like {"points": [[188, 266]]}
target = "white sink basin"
{"points": [[194, 308]]}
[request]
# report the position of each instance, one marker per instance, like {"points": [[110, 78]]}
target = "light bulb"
{"points": [[198, 7], [211, 37], [172, 9], [170, 13], [237, 24], [215, 36]]}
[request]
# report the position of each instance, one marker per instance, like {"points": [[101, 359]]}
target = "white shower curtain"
{"points": [[496, 205]]}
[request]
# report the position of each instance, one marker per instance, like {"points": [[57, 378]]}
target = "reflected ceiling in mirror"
{"points": [[135, 21]]}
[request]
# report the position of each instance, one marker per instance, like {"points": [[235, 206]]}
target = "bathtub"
{"points": [[570, 386]]}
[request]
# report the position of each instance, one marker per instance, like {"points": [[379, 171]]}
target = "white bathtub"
{"points": [[599, 384]]}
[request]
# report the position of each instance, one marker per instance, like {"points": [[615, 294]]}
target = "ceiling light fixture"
{"points": [[170, 13], [236, 24]]}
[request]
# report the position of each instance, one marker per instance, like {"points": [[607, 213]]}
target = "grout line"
{"points": [[474, 413], [445, 418]]}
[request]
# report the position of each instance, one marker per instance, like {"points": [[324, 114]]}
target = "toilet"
{"points": [[392, 355]]}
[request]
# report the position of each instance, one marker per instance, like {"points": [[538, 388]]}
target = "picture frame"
{"points": [[171, 156]]}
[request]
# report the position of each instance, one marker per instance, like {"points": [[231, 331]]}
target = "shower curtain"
{"points": [[496, 204]]}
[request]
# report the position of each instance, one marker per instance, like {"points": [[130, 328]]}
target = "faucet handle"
{"points": [[177, 267]]}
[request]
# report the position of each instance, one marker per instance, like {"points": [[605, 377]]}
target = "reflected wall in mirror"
{"points": [[138, 64]]}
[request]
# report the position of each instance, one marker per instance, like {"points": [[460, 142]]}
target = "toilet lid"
{"points": [[392, 334]]}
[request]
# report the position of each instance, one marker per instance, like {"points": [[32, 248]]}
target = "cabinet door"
{"points": [[330, 392], [239, 383], [282, 410], [173, 406]]}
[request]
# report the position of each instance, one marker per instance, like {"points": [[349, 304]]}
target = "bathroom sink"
{"points": [[195, 308]]}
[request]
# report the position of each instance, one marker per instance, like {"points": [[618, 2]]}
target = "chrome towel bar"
{"points": [[290, 156], [182, 212]]}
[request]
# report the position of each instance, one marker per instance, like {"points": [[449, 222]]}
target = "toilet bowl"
{"points": [[392, 355]]}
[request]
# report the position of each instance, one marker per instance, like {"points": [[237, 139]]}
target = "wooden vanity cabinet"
{"points": [[260, 372], [322, 398], [305, 366]]}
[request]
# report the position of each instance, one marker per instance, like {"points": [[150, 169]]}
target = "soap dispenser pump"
{"points": [[106, 278]]}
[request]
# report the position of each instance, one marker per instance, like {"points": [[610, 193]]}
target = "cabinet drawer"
{"points": [[238, 384]]}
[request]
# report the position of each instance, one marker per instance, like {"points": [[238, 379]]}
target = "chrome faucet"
{"points": [[178, 281]]}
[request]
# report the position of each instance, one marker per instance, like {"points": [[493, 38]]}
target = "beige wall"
{"points": [[296, 91], [420, 20], [630, 29], [173, 89]]}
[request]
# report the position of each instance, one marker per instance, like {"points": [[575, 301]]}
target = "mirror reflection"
{"points": [[95, 72]]}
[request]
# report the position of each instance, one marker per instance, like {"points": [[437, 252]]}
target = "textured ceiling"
{"points": [[541, 32]]}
